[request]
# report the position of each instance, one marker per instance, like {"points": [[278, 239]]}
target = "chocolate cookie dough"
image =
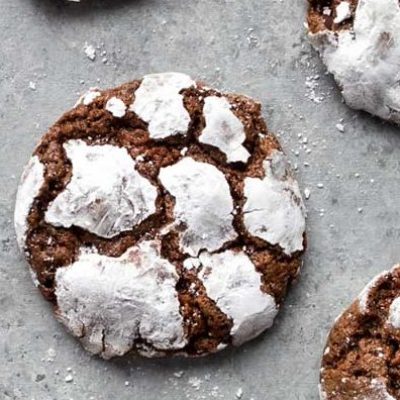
{"points": [[359, 41], [161, 217], [362, 356]]}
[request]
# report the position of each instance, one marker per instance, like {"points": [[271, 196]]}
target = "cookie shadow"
{"points": [[176, 362], [220, 360], [75, 9]]}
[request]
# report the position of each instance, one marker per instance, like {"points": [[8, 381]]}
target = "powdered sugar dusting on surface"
{"points": [[111, 302], [158, 102], [224, 129], [116, 107], [231, 279], [365, 61], [106, 195], [90, 51], [32, 180], [274, 209], [202, 202]]}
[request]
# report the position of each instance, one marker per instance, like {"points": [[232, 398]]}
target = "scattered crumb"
{"points": [[340, 127], [195, 382], [239, 393], [51, 354], [90, 51]]}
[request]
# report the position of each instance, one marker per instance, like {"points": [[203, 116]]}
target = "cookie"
{"points": [[161, 217], [362, 356], [359, 42]]}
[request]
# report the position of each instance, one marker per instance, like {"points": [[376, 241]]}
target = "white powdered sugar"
{"points": [[224, 129], [394, 313], [343, 12], [365, 60], [158, 102], [378, 391], [202, 202], [116, 107], [34, 277], [231, 279], [88, 97], [111, 302], [364, 295], [106, 195], [32, 180], [322, 393], [274, 210]]}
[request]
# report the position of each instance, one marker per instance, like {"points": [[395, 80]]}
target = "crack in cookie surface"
{"points": [[97, 122]]}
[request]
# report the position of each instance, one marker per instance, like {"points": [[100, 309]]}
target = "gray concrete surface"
{"points": [[254, 47]]}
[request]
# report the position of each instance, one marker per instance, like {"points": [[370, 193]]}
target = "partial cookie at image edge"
{"points": [[361, 356]]}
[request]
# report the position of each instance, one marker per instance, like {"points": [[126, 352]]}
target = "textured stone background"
{"points": [[254, 47]]}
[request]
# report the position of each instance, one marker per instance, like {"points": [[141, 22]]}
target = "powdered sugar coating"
{"points": [[322, 393], [394, 313], [88, 97], [116, 107], [365, 60], [231, 279], [364, 295], [106, 195], [343, 12], [202, 202], [224, 129], [274, 209], [32, 180], [378, 391], [109, 303], [158, 102]]}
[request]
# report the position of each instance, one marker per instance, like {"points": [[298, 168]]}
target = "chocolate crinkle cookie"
{"points": [[362, 356], [359, 42], [161, 217]]}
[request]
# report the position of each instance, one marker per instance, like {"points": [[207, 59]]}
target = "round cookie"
{"points": [[359, 42], [362, 355], [161, 217]]}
